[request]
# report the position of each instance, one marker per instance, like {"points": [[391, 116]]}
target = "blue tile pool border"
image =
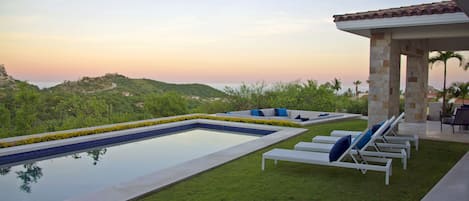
{"points": [[37, 154]]}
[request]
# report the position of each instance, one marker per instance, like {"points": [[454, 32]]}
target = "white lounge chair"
{"points": [[384, 146], [360, 150], [391, 137], [319, 158]]}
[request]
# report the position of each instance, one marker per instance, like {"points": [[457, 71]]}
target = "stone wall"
{"points": [[383, 98], [384, 80], [416, 81]]}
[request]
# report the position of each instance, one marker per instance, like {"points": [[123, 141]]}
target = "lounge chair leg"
{"points": [[408, 149], [387, 178], [416, 142], [263, 163], [388, 173], [404, 159]]}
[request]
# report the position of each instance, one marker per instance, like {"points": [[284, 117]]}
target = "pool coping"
{"points": [[151, 182], [143, 185]]}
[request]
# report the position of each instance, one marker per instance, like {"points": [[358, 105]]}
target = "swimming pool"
{"points": [[90, 166]]}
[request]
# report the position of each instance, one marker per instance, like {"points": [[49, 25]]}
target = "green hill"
{"points": [[8, 85], [119, 84], [91, 101]]}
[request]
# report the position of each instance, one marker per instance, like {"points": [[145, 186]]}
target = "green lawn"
{"points": [[243, 179]]}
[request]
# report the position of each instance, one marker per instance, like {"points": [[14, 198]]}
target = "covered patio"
{"points": [[413, 31]]}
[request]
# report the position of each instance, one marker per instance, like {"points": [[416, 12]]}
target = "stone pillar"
{"points": [[383, 97], [416, 81]]}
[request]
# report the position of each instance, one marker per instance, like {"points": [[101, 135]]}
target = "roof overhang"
{"points": [[365, 27], [464, 5], [449, 31]]}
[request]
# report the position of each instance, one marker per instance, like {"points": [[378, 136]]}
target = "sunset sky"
{"points": [[205, 41]]}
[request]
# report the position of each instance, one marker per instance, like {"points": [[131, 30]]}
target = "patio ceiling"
{"points": [[464, 5], [444, 24]]}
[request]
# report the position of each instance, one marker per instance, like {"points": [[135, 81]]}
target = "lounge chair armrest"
{"points": [[341, 133]]}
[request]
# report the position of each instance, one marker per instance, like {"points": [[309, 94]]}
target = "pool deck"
{"points": [[159, 179]]}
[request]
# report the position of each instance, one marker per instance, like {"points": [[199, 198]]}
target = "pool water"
{"points": [[77, 174]]}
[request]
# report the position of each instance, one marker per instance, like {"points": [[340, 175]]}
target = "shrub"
{"points": [[66, 135]]}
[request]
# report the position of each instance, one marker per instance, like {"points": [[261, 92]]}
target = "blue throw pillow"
{"points": [[254, 112], [281, 112], [386, 130], [261, 113], [339, 148], [375, 127], [366, 137]]}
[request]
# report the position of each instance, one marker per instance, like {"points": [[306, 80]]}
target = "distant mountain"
{"points": [[115, 83]]}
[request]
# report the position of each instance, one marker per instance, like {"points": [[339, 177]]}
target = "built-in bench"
{"points": [[301, 117]]}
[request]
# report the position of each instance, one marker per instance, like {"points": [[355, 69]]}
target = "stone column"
{"points": [[383, 97], [416, 81]]}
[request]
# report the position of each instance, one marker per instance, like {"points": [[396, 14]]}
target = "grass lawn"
{"points": [[243, 179]]}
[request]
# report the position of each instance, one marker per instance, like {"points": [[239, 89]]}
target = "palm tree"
{"points": [[444, 57], [356, 83], [336, 85], [460, 89]]}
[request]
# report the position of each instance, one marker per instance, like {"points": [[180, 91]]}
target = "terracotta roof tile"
{"points": [[414, 10]]}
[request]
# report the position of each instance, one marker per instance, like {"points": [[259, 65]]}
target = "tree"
{"points": [[348, 93], [31, 174], [165, 105], [336, 85], [5, 120], [444, 57], [26, 102], [356, 83], [460, 89]]}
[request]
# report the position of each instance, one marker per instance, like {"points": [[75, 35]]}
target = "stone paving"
{"points": [[431, 131]]}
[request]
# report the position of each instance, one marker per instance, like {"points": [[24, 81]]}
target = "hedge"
{"points": [[71, 134]]}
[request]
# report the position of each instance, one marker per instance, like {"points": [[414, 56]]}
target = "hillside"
{"points": [[8, 84], [91, 101], [119, 84]]}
